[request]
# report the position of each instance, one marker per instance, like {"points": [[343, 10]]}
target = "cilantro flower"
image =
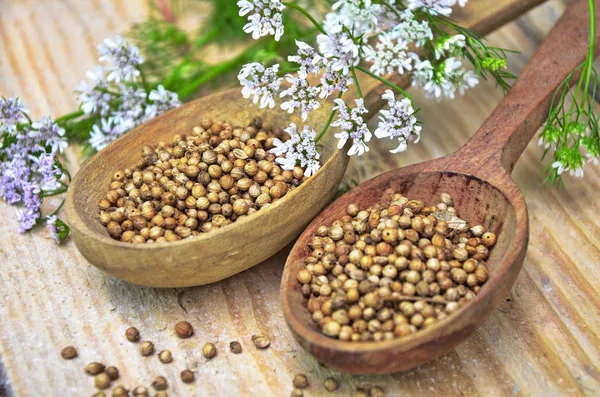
{"points": [[398, 122], [264, 17], [353, 126]]}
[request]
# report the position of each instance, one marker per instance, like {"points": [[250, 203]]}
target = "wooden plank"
{"points": [[544, 341]]}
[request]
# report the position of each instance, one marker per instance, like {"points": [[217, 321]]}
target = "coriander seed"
{"points": [[209, 350], [376, 391], [187, 376], [99, 394], [260, 341], [102, 381], [146, 348], [140, 391], [160, 383], [183, 329], [330, 384], [132, 334], [112, 372], [165, 356], [296, 393], [120, 391], [235, 347], [94, 368], [68, 353], [300, 381]]}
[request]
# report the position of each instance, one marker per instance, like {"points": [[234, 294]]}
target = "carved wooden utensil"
{"points": [[478, 178], [222, 253]]}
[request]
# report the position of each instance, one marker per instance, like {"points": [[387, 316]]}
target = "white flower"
{"points": [[443, 7], [51, 221], [261, 82], [124, 59], [411, 30], [163, 100], [359, 16], [398, 122], [300, 150], [105, 132], [450, 46], [265, 17], [302, 95], [353, 126], [308, 58], [12, 112], [332, 81], [444, 80], [340, 50], [390, 55]]}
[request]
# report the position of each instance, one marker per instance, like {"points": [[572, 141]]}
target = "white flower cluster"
{"points": [[340, 48], [115, 95], [300, 150]]}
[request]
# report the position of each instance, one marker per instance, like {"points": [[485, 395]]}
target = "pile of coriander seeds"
{"points": [[218, 174], [391, 270]]}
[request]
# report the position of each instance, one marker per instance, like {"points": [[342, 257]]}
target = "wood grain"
{"points": [[477, 177], [544, 341]]}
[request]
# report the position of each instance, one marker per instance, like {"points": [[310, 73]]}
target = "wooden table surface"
{"points": [[544, 340]]}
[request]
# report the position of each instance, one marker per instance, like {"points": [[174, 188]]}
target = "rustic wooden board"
{"points": [[545, 340]]}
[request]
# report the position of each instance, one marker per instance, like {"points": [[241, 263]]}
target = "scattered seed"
{"points": [[94, 368], [120, 391], [68, 353], [300, 381], [376, 391], [361, 393], [102, 381], [132, 334], [330, 384], [165, 357], [146, 348], [140, 391], [160, 383], [297, 393], [183, 329], [99, 394], [161, 394], [187, 376], [235, 347], [112, 372], [260, 341], [209, 350]]}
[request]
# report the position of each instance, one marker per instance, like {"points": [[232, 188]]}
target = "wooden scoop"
{"points": [[222, 253], [478, 178]]}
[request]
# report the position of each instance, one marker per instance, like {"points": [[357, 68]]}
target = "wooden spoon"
{"points": [[478, 178], [241, 245]]}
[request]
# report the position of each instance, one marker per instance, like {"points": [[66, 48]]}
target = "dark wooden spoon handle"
{"points": [[503, 137]]}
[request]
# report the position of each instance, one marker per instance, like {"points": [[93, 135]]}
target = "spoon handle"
{"points": [[505, 134]]}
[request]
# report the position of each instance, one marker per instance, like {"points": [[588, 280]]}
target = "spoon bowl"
{"points": [[238, 246], [478, 178]]}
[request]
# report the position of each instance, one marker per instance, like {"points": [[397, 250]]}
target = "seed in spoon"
{"points": [[391, 270]]}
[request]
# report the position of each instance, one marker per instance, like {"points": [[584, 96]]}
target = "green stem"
{"points": [[58, 208], [353, 71], [328, 123], [69, 116], [306, 14], [386, 82]]}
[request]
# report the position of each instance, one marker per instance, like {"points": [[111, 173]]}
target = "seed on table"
{"points": [[120, 391], [140, 391], [146, 348], [94, 368], [260, 341], [296, 393], [361, 393], [160, 383], [132, 334], [112, 372], [330, 384], [165, 356], [235, 347], [187, 376], [99, 394], [102, 381], [161, 394], [376, 391], [68, 353], [209, 350], [183, 329], [300, 381]]}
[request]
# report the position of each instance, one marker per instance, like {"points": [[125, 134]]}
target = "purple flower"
{"points": [[12, 112]]}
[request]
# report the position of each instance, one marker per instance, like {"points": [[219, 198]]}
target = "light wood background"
{"points": [[544, 340]]}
